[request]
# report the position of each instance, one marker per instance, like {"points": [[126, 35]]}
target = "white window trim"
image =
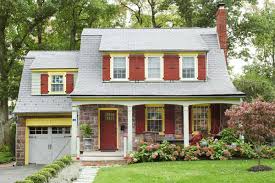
{"points": [[112, 68], [50, 83], [161, 68], [196, 68]]}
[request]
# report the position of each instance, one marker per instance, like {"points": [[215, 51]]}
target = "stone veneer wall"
{"points": [[89, 115], [20, 141]]}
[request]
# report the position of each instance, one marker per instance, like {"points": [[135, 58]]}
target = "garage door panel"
{"points": [[39, 145], [47, 144]]}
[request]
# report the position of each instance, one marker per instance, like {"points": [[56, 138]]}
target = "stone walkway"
{"points": [[87, 174]]}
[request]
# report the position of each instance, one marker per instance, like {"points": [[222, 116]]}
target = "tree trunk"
{"points": [[73, 31], [39, 26], [153, 13], [4, 112], [3, 78]]}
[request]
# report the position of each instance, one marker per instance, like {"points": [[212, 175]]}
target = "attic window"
{"points": [[154, 71], [57, 83], [119, 67], [188, 67]]}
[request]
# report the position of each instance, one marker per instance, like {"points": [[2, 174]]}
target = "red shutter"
{"points": [[106, 68], [201, 67], [169, 119], [44, 83], [69, 83], [140, 118], [171, 67], [215, 118], [190, 119], [136, 67]]}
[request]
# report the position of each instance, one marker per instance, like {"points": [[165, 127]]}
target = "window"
{"points": [[38, 130], [201, 118], [188, 67], [153, 68], [155, 119], [119, 67], [57, 83], [61, 130]]}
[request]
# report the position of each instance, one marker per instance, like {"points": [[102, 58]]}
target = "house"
{"points": [[129, 85]]}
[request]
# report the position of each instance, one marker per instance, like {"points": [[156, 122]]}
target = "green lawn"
{"points": [[187, 171], [5, 157]]}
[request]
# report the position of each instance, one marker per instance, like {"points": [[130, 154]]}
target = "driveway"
{"points": [[12, 174]]}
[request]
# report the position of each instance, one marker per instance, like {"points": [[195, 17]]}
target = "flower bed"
{"points": [[209, 149], [48, 171]]}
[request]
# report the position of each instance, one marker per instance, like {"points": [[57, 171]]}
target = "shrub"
{"points": [[24, 181], [60, 163], [229, 136], [54, 166], [86, 130], [67, 160], [268, 152], [37, 178], [46, 173], [52, 171]]}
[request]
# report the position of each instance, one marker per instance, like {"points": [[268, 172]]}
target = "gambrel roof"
{"points": [[90, 64]]}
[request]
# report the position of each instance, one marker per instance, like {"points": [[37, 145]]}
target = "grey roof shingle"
{"points": [[28, 103], [150, 39], [52, 60], [218, 81]]}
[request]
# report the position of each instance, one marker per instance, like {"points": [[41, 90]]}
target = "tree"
{"points": [[77, 15], [255, 120], [18, 20], [148, 13], [255, 85], [258, 30]]}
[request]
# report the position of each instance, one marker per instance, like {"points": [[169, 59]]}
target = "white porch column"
{"points": [[74, 131], [130, 128], [186, 125]]}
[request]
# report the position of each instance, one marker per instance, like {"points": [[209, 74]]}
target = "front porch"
{"points": [[120, 127]]}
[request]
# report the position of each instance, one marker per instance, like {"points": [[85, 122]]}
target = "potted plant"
{"points": [[86, 132]]}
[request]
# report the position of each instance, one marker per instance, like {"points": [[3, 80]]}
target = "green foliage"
{"points": [[86, 130], [254, 86], [67, 160], [5, 154], [24, 181], [59, 163], [215, 150], [46, 174], [52, 171], [48, 171], [37, 178], [229, 136], [54, 166]]}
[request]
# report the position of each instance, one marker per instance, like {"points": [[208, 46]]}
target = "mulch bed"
{"points": [[260, 168]]}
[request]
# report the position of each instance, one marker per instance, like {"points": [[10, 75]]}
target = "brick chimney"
{"points": [[221, 19]]}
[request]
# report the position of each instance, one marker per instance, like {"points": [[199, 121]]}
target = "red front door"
{"points": [[108, 130]]}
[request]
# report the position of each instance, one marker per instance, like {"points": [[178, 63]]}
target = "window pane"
{"points": [[200, 115], [154, 119], [153, 67], [119, 67], [188, 67], [57, 83]]}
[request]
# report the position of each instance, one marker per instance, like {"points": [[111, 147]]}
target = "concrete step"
{"points": [[101, 158], [102, 154]]}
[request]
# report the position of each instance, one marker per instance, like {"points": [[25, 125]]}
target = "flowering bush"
{"points": [[214, 150]]}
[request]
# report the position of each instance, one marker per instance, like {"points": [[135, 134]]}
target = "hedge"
{"points": [[48, 171]]}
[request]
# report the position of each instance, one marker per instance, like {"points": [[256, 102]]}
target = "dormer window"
{"points": [[188, 67], [57, 83], [153, 68], [119, 67]]}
